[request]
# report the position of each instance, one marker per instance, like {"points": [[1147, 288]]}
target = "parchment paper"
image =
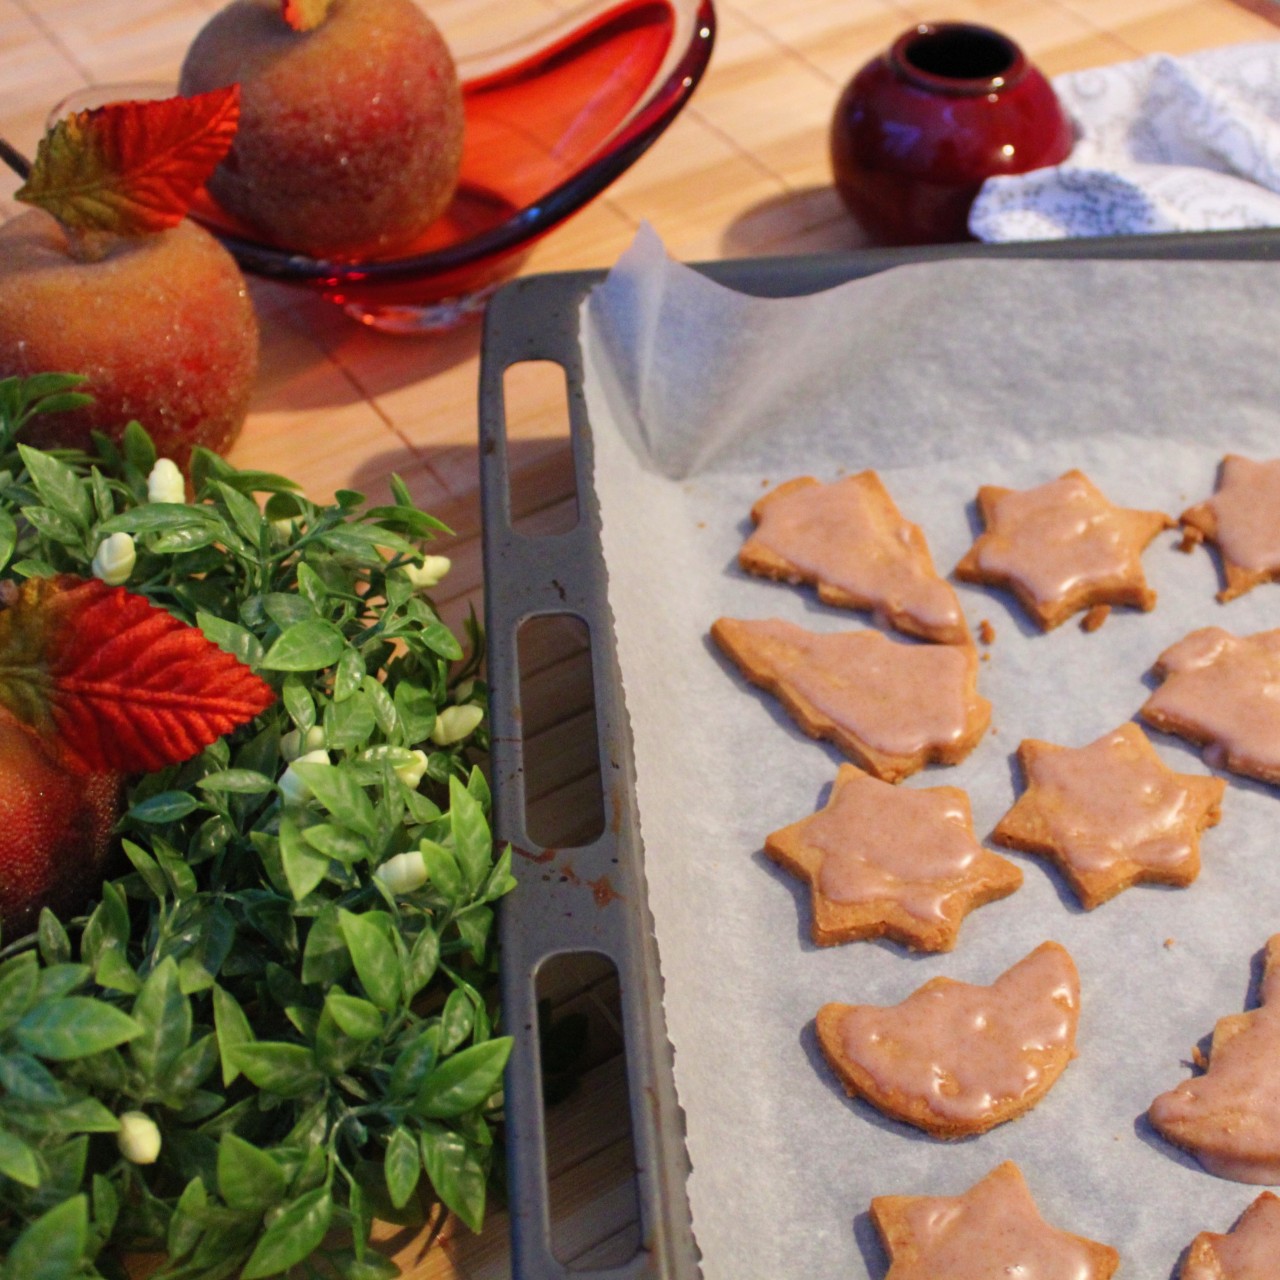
{"points": [[943, 377]]}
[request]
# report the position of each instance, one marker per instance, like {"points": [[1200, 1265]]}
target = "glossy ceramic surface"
{"points": [[920, 128]]}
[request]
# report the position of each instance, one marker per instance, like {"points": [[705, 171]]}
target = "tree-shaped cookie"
{"points": [[1243, 520], [850, 541], [1110, 814], [1229, 1117], [1223, 693], [886, 861], [891, 706], [1062, 547], [1251, 1251], [993, 1230], [956, 1059]]}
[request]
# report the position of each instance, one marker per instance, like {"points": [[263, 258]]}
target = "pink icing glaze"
{"points": [[1056, 536], [1250, 1252], [888, 843], [1247, 507], [1113, 801], [993, 1230], [851, 535], [966, 1050]]}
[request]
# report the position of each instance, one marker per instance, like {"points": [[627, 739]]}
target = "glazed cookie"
{"points": [[889, 705], [1243, 520], [886, 861], [1062, 547], [1110, 814], [1229, 1117], [1251, 1251], [993, 1229], [955, 1059], [849, 540], [1223, 692]]}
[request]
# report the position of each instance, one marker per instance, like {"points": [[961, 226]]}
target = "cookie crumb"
{"points": [[1168, 944], [1191, 539], [986, 632], [1095, 617], [1198, 1059]]}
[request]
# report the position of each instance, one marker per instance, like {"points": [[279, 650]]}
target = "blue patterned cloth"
{"points": [[1162, 144]]}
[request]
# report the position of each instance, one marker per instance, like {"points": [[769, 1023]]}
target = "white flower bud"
{"points": [[114, 560], [404, 873], [165, 483], [138, 1138], [292, 787], [455, 723], [429, 572], [411, 772], [295, 742]]}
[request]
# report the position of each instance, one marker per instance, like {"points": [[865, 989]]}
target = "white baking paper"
{"points": [[943, 377]]}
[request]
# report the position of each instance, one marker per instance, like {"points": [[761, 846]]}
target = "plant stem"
{"points": [[15, 159]]}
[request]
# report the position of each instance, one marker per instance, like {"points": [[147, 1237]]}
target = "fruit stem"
{"points": [[15, 159]]}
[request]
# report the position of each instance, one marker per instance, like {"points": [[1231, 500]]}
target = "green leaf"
{"points": [[28, 1080], [232, 1028], [456, 1020], [164, 1014], [337, 843], [244, 512], [147, 867], [339, 792], [52, 939], [84, 1115], [248, 1178], [298, 702], [401, 1166], [377, 966], [8, 537], [138, 448], [416, 711], [472, 843], [424, 960], [244, 782], [442, 870], [18, 1161], [115, 973], [306, 646], [358, 1018], [19, 979], [74, 1027], [58, 486], [464, 1081], [349, 725], [52, 1247], [231, 637], [288, 1070], [187, 1224], [164, 807], [303, 868], [292, 1236], [347, 678], [458, 1172]]}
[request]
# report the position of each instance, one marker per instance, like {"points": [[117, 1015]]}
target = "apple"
{"points": [[160, 324], [350, 136], [55, 831]]}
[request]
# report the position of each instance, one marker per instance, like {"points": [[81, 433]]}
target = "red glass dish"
{"points": [[550, 123], [920, 128]]}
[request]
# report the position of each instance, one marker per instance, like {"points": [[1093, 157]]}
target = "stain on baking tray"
{"points": [[603, 892]]}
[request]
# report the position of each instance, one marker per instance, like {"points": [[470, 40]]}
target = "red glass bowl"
{"points": [[551, 121]]}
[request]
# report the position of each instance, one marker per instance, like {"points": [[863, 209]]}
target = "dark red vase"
{"points": [[919, 129]]}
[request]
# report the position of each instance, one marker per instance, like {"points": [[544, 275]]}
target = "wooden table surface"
{"points": [[742, 172]]}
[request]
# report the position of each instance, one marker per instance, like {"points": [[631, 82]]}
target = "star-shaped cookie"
{"points": [[956, 1059], [849, 539], [886, 861], [1243, 520], [1223, 692], [1110, 814], [1062, 547], [891, 706], [1249, 1252], [993, 1229], [1229, 1118]]}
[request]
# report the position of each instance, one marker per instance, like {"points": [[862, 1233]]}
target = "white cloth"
{"points": [[1162, 144]]}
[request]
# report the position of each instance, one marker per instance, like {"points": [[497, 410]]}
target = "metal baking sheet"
{"points": [[536, 319]]}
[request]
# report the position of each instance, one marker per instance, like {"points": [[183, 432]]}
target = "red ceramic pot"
{"points": [[920, 128]]}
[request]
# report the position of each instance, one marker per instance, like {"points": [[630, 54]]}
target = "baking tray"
{"points": [[536, 318]]}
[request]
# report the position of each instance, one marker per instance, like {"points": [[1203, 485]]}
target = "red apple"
{"points": [[161, 325], [55, 831], [350, 136]]}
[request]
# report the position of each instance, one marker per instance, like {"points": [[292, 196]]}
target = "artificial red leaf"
{"points": [[305, 15], [112, 682], [132, 167]]}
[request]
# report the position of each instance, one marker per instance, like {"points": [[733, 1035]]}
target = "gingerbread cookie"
{"points": [[1229, 1117], [891, 706], [955, 1059], [993, 1229], [1243, 520], [886, 861], [1249, 1252], [1223, 692], [1111, 814], [1062, 547], [849, 539]]}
